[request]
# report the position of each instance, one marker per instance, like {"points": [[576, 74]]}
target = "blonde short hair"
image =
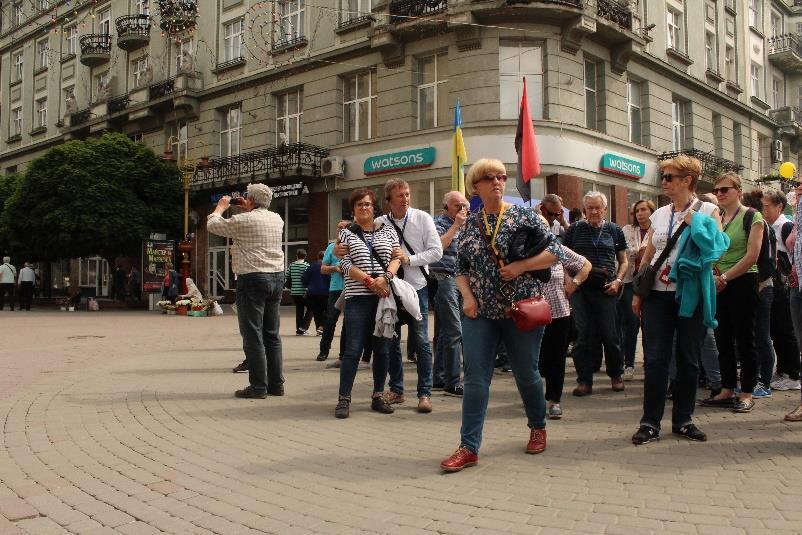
{"points": [[735, 177], [481, 168], [687, 165]]}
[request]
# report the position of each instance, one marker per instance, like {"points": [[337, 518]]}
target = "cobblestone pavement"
{"points": [[125, 422]]}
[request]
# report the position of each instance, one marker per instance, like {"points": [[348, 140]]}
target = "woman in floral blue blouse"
{"points": [[485, 318]]}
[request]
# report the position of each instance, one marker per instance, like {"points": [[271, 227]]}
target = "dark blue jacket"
{"points": [[316, 283]]}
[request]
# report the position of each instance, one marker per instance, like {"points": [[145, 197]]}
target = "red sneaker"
{"points": [[462, 458], [537, 441]]}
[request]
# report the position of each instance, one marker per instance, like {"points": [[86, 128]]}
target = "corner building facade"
{"points": [[317, 99]]}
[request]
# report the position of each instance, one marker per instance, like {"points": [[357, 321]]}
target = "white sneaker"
{"points": [[793, 384], [629, 373], [780, 383]]}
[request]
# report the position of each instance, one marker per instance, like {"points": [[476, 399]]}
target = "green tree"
{"points": [[97, 196], [8, 185]]}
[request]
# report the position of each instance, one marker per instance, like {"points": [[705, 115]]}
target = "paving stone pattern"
{"points": [[125, 422]]}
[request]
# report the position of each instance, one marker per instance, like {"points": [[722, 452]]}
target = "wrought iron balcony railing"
{"points": [[615, 12], [133, 25], [97, 43], [712, 165], [80, 117], [291, 42], [408, 10], [781, 43], [788, 115], [118, 104], [162, 89], [293, 160], [354, 20]]}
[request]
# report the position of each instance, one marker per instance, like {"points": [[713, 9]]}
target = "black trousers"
{"points": [[553, 350], [782, 333], [736, 314], [317, 304], [25, 295], [303, 314], [7, 288]]}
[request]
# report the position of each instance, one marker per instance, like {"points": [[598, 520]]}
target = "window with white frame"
{"points": [[729, 63], [634, 90], [18, 14], [16, 121], [230, 125], [354, 9], [711, 64], [42, 54], [591, 95], [71, 40], [289, 116], [754, 13], [519, 60], [674, 29], [291, 20], [142, 7], [755, 75], [432, 73], [104, 21], [777, 92], [359, 106], [183, 50], [233, 40], [101, 82], [677, 124], [179, 140], [18, 65], [41, 113], [775, 24], [139, 70], [42, 5]]}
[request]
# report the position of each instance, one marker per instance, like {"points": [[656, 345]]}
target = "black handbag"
{"points": [[597, 278], [643, 281], [526, 243]]}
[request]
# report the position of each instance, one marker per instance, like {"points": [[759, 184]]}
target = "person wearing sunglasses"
{"points": [[635, 234], [736, 278], [487, 236], [551, 206], [668, 332]]}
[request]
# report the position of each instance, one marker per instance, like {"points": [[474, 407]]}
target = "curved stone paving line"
{"points": [[149, 440]]}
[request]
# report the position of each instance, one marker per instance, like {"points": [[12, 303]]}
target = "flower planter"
{"points": [[197, 313], [170, 312], [181, 310]]}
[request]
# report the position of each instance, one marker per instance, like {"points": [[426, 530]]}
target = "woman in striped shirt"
{"points": [[368, 268]]}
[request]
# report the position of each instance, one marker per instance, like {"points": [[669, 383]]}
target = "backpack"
{"points": [[767, 258], [784, 266]]}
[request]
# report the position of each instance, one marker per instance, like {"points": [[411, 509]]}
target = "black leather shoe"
{"points": [[275, 390], [380, 405], [321, 357], [241, 367], [724, 402]]}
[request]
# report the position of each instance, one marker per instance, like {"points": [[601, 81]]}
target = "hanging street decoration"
{"points": [[177, 15]]}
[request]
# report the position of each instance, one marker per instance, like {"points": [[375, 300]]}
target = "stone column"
{"points": [[618, 209]]}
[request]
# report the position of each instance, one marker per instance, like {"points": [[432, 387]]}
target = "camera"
{"points": [[237, 201]]}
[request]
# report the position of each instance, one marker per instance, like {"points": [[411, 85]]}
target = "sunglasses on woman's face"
{"points": [[491, 178], [723, 190]]}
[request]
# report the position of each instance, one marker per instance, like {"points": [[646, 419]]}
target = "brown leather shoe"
{"points": [[424, 404], [582, 390], [391, 398], [618, 384], [537, 441]]}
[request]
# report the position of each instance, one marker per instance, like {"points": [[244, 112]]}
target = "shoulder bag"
{"points": [[527, 314], [643, 281], [431, 282]]}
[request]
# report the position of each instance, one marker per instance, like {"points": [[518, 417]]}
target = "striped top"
{"points": [[600, 245], [294, 272], [383, 240]]}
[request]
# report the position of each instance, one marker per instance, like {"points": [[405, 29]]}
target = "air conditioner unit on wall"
{"points": [[332, 166]]}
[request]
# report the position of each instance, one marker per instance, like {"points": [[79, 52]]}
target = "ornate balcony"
{"points": [[402, 11], [785, 51], [615, 12], [161, 89], [118, 104], [133, 31], [80, 117], [788, 119], [293, 161], [95, 49], [712, 165]]}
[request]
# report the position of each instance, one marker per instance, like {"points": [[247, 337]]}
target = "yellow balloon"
{"points": [[787, 170]]}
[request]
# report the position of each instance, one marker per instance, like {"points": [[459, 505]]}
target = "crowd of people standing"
{"points": [[709, 284]]}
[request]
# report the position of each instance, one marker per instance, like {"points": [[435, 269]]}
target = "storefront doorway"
{"points": [[219, 277], [93, 274]]}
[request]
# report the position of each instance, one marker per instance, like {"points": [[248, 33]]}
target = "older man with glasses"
{"points": [[551, 206]]}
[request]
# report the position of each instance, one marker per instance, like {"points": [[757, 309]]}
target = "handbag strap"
{"points": [[672, 241], [356, 229], [405, 242]]}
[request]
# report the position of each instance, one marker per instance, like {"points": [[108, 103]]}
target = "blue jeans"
{"points": [[360, 316], [795, 298], [663, 331], [424, 351], [448, 353], [258, 299], [709, 360], [480, 338], [763, 344], [590, 306], [629, 324]]}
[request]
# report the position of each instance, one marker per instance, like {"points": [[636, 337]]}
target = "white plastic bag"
{"points": [[217, 310], [93, 305]]}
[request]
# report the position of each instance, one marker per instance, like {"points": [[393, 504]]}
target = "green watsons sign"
{"points": [[399, 161], [618, 165]]}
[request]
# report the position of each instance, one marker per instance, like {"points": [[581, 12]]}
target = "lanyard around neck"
{"points": [[494, 234], [738, 211], [671, 221]]}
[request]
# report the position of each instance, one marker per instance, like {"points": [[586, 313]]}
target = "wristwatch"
{"points": [[723, 277], [576, 282], [619, 281]]}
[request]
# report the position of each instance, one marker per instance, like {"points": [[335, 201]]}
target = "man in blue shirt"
{"points": [[447, 301], [331, 267]]}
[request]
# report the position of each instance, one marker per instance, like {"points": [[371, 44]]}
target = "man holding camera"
{"points": [[258, 261], [447, 300]]}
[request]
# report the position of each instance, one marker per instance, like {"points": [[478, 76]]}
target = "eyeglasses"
{"points": [[723, 190], [668, 177], [364, 204], [491, 178]]}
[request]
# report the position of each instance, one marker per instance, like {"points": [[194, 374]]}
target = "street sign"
{"points": [[155, 254], [399, 161]]}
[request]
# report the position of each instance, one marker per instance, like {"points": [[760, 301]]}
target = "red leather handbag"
{"points": [[529, 314]]}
